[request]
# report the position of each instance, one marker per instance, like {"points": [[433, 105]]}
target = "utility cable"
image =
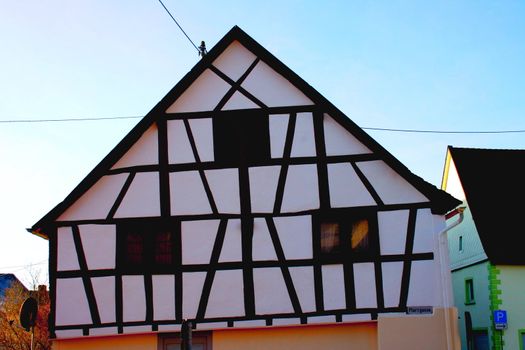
{"points": [[23, 266], [20, 121], [445, 131], [66, 119], [178, 25]]}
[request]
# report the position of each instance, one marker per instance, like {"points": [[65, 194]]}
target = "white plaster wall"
{"points": [[295, 234], [425, 234], [143, 152], [136, 329], [338, 141], [271, 294], [303, 281], [224, 185], [392, 273], [179, 146], [263, 187], [226, 295], [232, 245], [163, 297], [278, 125], [263, 248], [192, 283], [69, 333], [234, 60], [273, 89], [393, 226], [202, 131], [99, 243], [103, 331], [142, 198], [301, 190], [389, 185], [356, 317], [249, 324], [67, 259], [133, 299], [104, 290], [211, 326], [202, 95], [303, 144], [365, 285], [198, 238], [321, 319], [96, 202], [422, 290], [345, 187], [188, 196], [333, 287], [239, 101], [453, 184], [71, 302], [286, 321]]}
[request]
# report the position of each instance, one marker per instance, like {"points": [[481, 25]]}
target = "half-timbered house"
{"points": [[249, 204]]}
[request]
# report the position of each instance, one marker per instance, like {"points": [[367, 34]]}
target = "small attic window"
{"points": [[241, 137], [145, 246], [342, 234]]}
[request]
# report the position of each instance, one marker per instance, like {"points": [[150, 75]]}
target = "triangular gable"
{"points": [[490, 178], [238, 73]]}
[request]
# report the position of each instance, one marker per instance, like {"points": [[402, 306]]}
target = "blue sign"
{"points": [[500, 319]]}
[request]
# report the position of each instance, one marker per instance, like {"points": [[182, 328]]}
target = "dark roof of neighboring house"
{"points": [[494, 184], [441, 202], [6, 281]]}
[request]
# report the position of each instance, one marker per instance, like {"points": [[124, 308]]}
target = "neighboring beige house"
{"points": [[249, 204]]}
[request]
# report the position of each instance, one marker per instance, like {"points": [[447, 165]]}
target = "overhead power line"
{"points": [[178, 25], [446, 131], [420, 131], [66, 119], [23, 266]]}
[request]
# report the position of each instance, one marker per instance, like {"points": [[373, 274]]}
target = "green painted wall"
{"points": [[480, 310], [512, 287], [496, 336]]}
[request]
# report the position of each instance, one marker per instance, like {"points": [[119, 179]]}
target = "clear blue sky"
{"points": [[444, 65]]}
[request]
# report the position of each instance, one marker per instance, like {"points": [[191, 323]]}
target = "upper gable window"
{"points": [[343, 234], [241, 137]]}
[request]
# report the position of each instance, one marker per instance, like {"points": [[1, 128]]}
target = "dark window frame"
{"points": [[476, 333], [470, 296], [201, 337], [241, 137], [149, 231], [345, 218]]}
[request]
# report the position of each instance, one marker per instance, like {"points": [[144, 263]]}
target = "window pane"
{"points": [[134, 248], [330, 237], [481, 340], [360, 236], [163, 248], [469, 291], [241, 136]]}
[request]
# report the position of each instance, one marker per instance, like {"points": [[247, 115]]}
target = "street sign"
{"points": [[419, 310], [500, 319]]}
